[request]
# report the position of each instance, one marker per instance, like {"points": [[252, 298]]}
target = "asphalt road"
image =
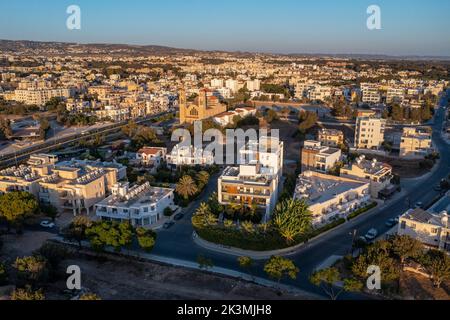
{"points": [[177, 242]]}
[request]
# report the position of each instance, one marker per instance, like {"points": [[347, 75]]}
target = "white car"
{"points": [[371, 234], [47, 224]]}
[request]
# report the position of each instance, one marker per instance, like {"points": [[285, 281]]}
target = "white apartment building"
{"points": [[189, 156], [141, 205], [330, 197], [378, 174], [255, 182], [115, 113], [40, 97], [416, 143], [226, 118], [151, 156], [429, 228], [319, 92], [254, 85], [370, 93], [314, 156], [395, 94], [232, 84], [217, 83], [369, 132]]}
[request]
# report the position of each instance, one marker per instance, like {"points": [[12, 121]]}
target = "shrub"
{"points": [[360, 211]]}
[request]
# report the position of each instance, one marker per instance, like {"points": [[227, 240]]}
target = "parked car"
{"points": [[418, 205], [178, 216], [371, 234], [168, 224], [47, 224], [391, 222]]}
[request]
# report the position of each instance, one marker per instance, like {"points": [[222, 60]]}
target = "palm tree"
{"points": [[247, 226], [228, 223], [291, 218], [186, 187], [202, 178]]}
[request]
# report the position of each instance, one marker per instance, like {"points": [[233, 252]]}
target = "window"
{"points": [[403, 225], [413, 226], [434, 230]]}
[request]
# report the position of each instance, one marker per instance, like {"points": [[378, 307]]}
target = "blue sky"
{"points": [[409, 27]]}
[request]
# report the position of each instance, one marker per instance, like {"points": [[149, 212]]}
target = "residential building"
{"points": [[254, 85], [429, 228], [416, 142], [314, 156], [330, 197], [226, 118], [40, 97], [151, 156], [205, 106], [331, 138], [370, 93], [378, 174], [189, 156], [395, 94], [369, 132], [75, 185], [141, 205], [255, 182]]}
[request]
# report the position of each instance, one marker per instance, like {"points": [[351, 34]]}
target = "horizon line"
{"points": [[236, 50]]}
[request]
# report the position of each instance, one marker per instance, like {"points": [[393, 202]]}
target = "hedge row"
{"points": [[361, 211]]}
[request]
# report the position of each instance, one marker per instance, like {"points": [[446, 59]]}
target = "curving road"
{"points": [[177, 241]]}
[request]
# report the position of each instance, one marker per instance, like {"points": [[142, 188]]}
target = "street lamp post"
{"points": [[353, 234]]}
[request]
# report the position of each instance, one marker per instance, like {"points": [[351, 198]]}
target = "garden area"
{"points": [[408, 268]]}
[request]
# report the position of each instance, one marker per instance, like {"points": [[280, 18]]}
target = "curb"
{"points": [[215, 270], [264, 255]]}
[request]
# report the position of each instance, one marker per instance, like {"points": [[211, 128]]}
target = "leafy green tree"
{"points": [[146, 239], [437, 263], [397, 113], [15, 207], [204, 263], [186, 187], [27, 294], [378, 254], [105, 233], [76, 231], [49, 211], [3, 274], [53, 253], [168, 212], [32, 268], [271, 116], [292, 218], [308, 120], [328, 279], [279, 267], [245, 262], [405, 247]]}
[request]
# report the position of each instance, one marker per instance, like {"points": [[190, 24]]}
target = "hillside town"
{"points": [[351, 155]]}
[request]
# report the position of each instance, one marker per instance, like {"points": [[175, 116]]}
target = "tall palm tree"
{"points": [[186, 187], [292, 218], [202, 178]]}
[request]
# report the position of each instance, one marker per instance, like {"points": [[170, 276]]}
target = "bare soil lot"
{"points": [[120, 278]]}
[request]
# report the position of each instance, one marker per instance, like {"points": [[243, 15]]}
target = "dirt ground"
{"points": [[417, 287], [120, 279], [404, 168]]}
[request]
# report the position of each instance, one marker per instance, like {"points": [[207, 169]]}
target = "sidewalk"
{"points": [[195, 266]]}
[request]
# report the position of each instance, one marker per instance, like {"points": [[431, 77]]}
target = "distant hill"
{"points": [[92, 48]]}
